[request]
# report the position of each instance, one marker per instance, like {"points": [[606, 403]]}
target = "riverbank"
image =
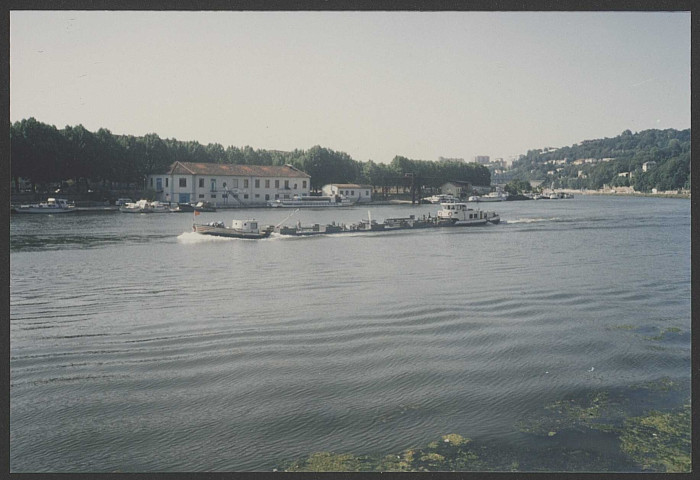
{"points": [[632, 193]]}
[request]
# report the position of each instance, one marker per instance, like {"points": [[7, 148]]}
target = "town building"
{"points": [[352, 191], [646, 166], [482, 159], [228, 185]]}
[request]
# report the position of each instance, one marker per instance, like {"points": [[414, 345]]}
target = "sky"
{"points": [[374, 85]]}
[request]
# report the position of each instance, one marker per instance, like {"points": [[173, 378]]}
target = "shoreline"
{"points": [[636, 194]]}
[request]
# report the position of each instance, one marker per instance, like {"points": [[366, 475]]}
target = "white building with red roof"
{"points": [[228, 185], [354, 192]]}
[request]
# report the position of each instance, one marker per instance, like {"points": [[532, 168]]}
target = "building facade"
{"points": [[228, 185], [352, 191]]}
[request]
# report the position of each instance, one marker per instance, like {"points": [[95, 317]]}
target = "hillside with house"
{"points": [[644, 161]]}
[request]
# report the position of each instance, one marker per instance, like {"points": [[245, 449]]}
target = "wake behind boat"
{"points": [[238, 229]]}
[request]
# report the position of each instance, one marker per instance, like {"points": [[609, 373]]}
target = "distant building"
{"points": [[445, 159], [353, 191], [224, 184], [482, 159], [646, 166]]}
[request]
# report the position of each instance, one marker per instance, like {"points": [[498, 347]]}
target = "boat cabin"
{"points": [[245, 225]]}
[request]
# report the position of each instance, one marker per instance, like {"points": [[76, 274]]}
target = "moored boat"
{"points": [[443, 198], [204, 207], [311, 201], [183, 207], [238, 229], [496, 196], [142, 206], [159, 207], [51, 205]]}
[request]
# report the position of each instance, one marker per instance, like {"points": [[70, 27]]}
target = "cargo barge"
{"points": [[452, 214]]}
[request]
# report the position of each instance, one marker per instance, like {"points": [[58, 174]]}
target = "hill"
{"points": [[648, 159]]}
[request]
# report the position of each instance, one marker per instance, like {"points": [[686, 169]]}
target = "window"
{"points": [[277, 196], [286, 184], [166, 181], [183, 182], [245, 183], [267, 183], [366, 193], [257, 195], [257, 183], [213, 195], [201, 195], [295, 186], [201, 183], [303, 184], [267, 195], [151, 181], [245, 195], [234, 183], [352, 192], [277, 184], [159, 184], [213, 185]]}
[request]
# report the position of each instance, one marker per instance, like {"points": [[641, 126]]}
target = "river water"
{"points": [[137, 345]]}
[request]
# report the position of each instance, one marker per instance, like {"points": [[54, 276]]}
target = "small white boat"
{"points": [[497, 196], [440, 198], [311, 201], [238, 229], [159, 207], [142, 206], [459, 214], [51, 205]]}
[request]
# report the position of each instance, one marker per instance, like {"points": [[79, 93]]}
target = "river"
{"points": [[139, 346]]}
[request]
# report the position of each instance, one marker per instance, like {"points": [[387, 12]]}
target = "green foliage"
{"points": [[659, 441], [328, 462], [517, 187], [44, 154], [652, 441], [626, 153], [452, 453]]}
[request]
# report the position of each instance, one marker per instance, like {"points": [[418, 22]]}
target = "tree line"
{"points": [[625, 156], [43, 155]]}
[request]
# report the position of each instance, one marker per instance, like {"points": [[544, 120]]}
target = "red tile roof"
{"points": [[190, 168]]}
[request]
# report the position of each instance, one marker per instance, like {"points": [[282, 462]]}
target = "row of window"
{"points": [[246, 196], [351, 193], [234, 183]]}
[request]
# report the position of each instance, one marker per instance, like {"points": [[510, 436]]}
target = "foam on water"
{"points": [[531, 220]]}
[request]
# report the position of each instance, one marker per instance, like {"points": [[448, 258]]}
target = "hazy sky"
{"points": [[371, 84]]}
